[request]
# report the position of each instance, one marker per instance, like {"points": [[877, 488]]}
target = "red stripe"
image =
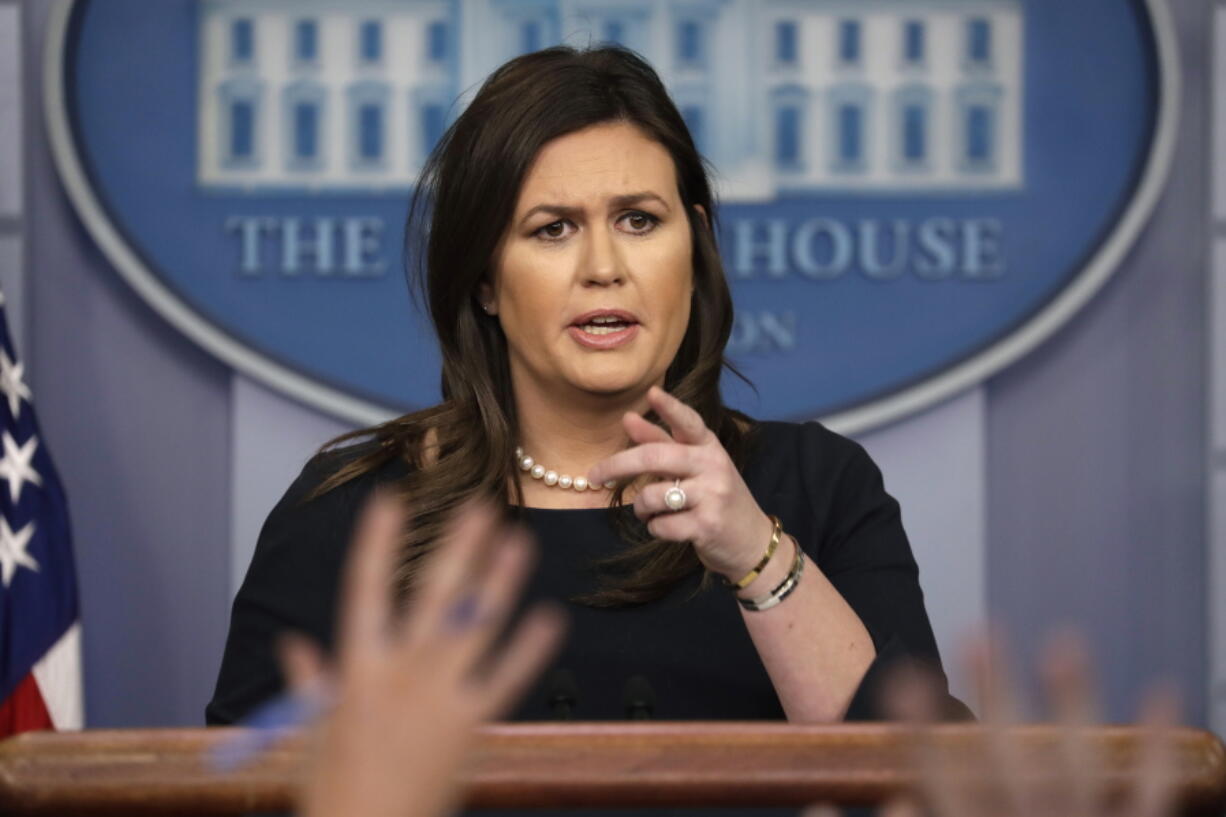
{"points": [[24, 711]]}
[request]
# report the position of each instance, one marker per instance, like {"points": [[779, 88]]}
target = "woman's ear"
{"points": [[703, 214], [485, 297]]}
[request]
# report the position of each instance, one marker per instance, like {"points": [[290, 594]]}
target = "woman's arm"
{"points": [[857, 606], [813, 645]]}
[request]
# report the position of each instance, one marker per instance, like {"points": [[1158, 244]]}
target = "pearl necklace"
{"points": [[554, 479]]}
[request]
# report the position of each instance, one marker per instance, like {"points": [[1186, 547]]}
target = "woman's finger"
{"points": [[687, 424], [301, 660], [912, 695], [663, 458], [642, 430], [365, 590], [493, 597], [650, 501], [673, 527], [451, 565], [1002, 710], [531, 645], [1069, 685], [1158, 773]]}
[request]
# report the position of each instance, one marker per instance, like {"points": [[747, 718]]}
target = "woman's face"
{"points": [[592, 280]]}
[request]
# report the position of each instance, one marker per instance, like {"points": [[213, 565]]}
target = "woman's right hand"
{"points": [[409, 690]]}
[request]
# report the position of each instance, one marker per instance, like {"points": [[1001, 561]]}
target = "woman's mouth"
{"points": [[603, 331]]}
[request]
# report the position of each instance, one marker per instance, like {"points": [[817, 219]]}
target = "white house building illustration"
{"points": [[783, 96]]}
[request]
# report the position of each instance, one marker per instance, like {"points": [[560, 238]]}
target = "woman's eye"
{"points": [[553, 230], [640, 222]]}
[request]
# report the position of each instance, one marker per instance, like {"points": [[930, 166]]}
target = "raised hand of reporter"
{"points": [[1002, 773], [409, 690]]}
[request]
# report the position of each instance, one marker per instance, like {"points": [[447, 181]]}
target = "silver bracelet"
{"points": [[784, 589]]}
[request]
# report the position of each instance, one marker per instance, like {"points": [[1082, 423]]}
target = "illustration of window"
{"points": [[370, 41], [428, 107], [242, 41], [306, 42], [978, 42], [530, 36], [849, 42], [614, 31], [849, 122], [242, 129], [240, 123], [691, 52], [526, 25], [912, 117], [436, 41], [787, 136], [978, 113], [304, 118], [785, 42], [913, 42], [368, 123], [695, 121], [789, 105]]}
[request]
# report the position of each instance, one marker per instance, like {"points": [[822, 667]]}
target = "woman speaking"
{"points": [[714, 566]]}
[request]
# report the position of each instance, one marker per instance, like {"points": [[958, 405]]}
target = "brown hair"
{"points": [[461, 208]]}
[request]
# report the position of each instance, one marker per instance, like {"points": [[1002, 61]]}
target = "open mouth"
{"points": [[604, 329], [606, 325]]}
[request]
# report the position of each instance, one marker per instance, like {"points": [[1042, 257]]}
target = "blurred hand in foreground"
{"points": [[407, 691], [999, 772]]}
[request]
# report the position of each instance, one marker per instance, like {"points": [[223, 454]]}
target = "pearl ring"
{"points": [[674, 497]]}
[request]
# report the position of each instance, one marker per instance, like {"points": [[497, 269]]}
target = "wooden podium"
{"points": [[166, 771]]}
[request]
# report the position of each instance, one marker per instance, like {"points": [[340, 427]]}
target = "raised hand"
{"points": [[1001, 774], [408, 690]]}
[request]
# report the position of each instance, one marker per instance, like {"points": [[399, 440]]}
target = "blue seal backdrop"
{"points": [[905, 184]]}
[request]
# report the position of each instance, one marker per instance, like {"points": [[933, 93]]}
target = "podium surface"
{"points": [[613, 765]]}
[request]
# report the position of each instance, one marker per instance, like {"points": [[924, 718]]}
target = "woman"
{"points": [[573, 279]]}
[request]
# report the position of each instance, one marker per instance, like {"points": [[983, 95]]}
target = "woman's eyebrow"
{"points": [[631, 199], [626, 200]]}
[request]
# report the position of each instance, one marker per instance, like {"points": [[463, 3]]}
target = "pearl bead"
{"points": [[554, 479]]}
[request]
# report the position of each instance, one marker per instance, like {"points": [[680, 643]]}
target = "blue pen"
{"points": [[266, 725]]}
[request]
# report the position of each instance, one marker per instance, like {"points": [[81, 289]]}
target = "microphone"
{"points": [[639, 698], [563, 694]]}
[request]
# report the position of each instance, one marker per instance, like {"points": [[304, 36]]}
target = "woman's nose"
{"points": [[602, 265]]}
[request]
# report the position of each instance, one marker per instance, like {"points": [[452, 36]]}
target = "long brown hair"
{"points": [[460, 210]]}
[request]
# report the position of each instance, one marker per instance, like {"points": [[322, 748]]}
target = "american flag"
{"points": [[40, 630]]}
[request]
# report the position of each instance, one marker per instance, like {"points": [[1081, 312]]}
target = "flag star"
{"points": [[11, 384], [13, 550], [15, 466]]}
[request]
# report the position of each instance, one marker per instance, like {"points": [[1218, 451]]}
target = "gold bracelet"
{"points": [[776, 535], [783, 590]]}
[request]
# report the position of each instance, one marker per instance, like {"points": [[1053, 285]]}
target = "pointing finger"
{"points": [[687, 424], [643, 431], [665, 458]]}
